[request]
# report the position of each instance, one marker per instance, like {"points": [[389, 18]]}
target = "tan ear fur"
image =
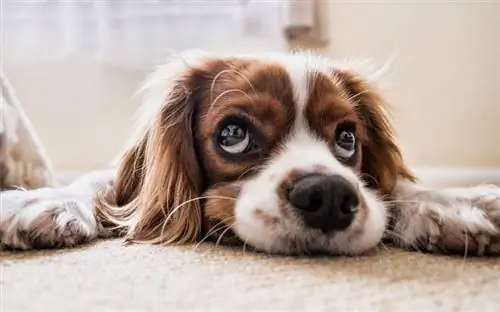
{"points": [[159, 177], [383, 163]]}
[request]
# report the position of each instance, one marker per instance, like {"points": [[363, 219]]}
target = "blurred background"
{"points": [[75, 65]]}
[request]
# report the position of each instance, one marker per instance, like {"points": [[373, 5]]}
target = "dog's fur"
{"points": [[176, 185]]}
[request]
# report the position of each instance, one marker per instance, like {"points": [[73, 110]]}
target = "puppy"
{"points": [[286, 153]]}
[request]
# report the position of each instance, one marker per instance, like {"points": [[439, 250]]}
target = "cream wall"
{"points": [[82, 112], [444, 86], [445, 82]]}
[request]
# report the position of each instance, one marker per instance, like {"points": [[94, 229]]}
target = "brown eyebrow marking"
{"points": [[327, 105], [226, 93], [222, 72]]}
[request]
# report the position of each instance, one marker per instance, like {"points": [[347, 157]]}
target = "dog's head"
{"points": [[287, 153]]}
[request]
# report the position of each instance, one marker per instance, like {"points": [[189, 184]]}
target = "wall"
{"points": [[445, 83], [444, 86], [82, 112]]}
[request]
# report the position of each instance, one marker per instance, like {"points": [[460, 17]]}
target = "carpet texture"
{"points": [[107, 276]]}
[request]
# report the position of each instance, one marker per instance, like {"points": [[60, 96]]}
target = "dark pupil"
{"points": [[346, 140], [231, 135]]}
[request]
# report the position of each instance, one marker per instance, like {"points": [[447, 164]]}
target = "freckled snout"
{"points": [[325, 202]]}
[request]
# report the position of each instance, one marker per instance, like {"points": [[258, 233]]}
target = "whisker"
{"points": [[402, 201], [229, 91], [233, 70], [212, 85], [169, 216], [212, 230], [229, 227], [222, 234], [399, 236], [355, 96], [256, 168], [244, 250], [384, 246]]}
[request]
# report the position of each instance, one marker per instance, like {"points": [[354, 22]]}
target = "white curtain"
{"points": [[75, 64], [137, 33]]}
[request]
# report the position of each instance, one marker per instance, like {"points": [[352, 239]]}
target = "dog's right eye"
{"points": [[235, 138]]}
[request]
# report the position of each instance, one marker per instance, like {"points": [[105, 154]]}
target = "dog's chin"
{"points": [[289, 236], [309, 242]]}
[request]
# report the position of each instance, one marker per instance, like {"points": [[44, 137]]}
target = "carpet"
{"points": [[108, 276]]}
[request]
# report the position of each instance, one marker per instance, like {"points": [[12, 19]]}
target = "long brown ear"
{"points": [[159, 178], [382, 162]]}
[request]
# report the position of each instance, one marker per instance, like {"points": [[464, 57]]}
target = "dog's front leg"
{"points": [[454, 220], [52, 217]]}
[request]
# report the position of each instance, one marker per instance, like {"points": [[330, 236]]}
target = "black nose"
{"points": [[326, 202]]}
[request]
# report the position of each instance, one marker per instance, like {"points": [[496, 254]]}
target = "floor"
{"points": [[108, 276]]}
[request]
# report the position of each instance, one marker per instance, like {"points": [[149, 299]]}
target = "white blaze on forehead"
{"points": [[300, 68], [299, 71]]}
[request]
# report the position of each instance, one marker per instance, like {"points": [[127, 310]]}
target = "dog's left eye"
{"points": [[345, 144], [235, 138]]}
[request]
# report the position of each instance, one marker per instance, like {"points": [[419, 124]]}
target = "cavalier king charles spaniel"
{"points": [[284, 153]]}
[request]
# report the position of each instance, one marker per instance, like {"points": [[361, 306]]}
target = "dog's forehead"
{"points": [[317, 89], [302, 83]]}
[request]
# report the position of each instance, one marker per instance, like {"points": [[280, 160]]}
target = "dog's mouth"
{"points": [[308, 244]]}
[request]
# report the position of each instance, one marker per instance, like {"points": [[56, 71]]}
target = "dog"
{"points": [[287, 153]]}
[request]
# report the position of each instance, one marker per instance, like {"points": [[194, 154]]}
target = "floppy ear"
{"points": [[382, 163], [159, 175]]}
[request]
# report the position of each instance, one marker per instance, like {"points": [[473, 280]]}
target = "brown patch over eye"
{"points": [[332, 117], [382, 161], [326, 106], [259, 94]]}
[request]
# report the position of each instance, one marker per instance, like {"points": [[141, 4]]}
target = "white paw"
{"points": [[487, 199], [45, 218], [464, 222]]}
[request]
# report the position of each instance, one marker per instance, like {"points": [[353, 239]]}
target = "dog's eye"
{"points": [[345, 143], [235, 138]]}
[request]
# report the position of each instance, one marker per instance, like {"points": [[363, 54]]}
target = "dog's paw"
{"points": [[466, 222], [45, 219], [487, 199]]}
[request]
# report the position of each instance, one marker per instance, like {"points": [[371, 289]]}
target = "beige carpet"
{"points": [[110, 277]]}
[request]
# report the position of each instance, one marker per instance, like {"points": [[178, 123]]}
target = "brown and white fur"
{"points": [[175, 185]]}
